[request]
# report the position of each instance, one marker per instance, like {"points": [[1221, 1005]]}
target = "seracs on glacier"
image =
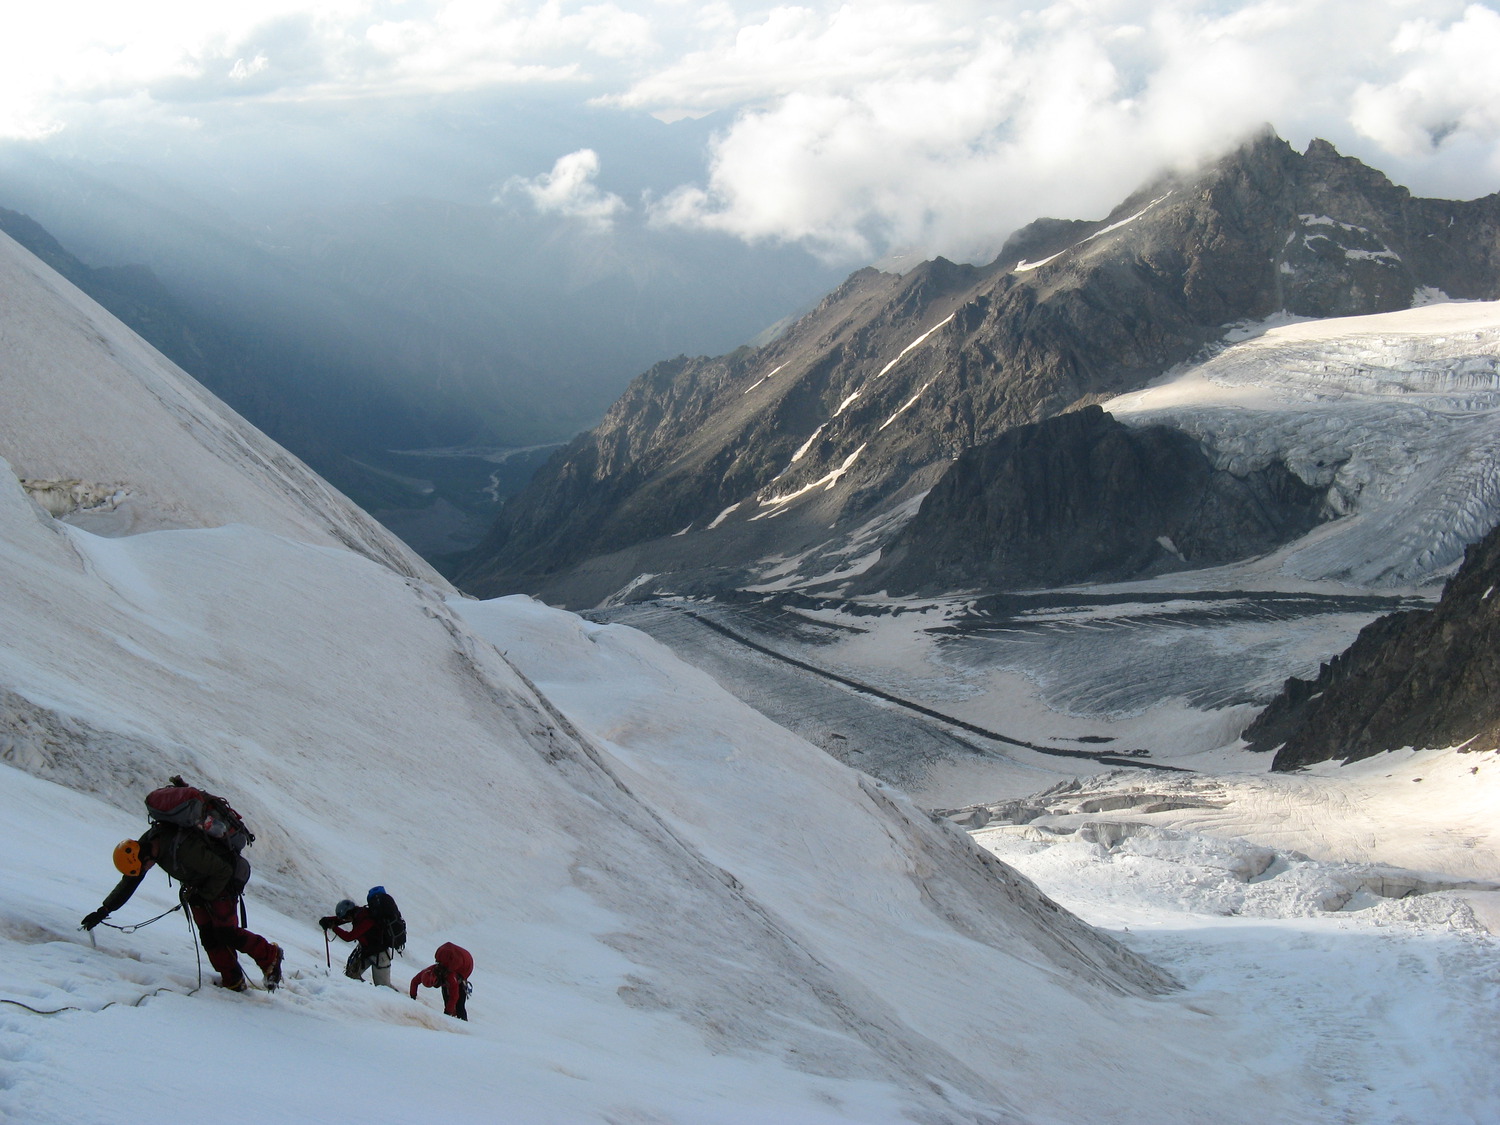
{"points": [[1396, 414]]}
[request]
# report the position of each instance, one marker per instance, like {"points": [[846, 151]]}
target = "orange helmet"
{"points": [[128, 857]]}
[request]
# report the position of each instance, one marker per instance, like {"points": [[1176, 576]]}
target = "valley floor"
{"points": [[1343, 916]]}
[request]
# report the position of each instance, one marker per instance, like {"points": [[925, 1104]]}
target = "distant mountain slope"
{"points": [[482, 320], [327, 410], [83, 403], [1422, 678], [705, 466]]}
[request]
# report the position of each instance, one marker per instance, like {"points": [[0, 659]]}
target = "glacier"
{"points": [[1395, 414]]}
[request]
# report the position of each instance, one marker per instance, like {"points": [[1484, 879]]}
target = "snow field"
{"points": [[1393, 1001], [358, 792], [1396, 412]]}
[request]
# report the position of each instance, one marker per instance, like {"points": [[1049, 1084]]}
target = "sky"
{"points": [[852, 129]]}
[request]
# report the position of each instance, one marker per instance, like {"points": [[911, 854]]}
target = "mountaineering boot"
{"points": [[240, 985], [273, 973]]}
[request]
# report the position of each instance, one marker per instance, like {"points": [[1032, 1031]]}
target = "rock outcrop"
{"points": [[1419, 678], [1082, 497]]}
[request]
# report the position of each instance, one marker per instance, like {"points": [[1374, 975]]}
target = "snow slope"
{"points": [[1396, 414], [679, 911]]}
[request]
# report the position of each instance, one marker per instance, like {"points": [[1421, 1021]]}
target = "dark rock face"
{"points": [[1082, 497], [1421, 678], [892, 378]]}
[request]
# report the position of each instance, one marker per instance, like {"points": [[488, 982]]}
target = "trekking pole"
{"points": [[197, 950], [327, 956]]}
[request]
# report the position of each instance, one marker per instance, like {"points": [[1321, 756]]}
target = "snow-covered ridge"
{"points": [[1023, 266], [1397, 414]]}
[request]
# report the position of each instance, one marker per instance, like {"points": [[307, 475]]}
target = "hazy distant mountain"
{"points": [[805, 457], [340, 423], [321, 422], [350, 327], [500, 326]]}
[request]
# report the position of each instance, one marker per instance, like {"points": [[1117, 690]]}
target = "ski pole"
{"points": [[327, 956]]}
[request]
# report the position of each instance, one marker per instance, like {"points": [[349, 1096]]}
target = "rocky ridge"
{"points": [[1421, 678], [1082, 497]]}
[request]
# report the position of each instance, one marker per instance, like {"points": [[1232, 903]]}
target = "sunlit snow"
{"points": [[779, 503], [914, 344], [1397, 414], [907, 405]]}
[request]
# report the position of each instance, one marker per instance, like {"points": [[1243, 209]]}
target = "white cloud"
{"points": [[571, 190], [1447, 89], [852, 126], [57, 57], [942, 126]]}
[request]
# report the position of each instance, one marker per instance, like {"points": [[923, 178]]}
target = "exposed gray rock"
{"points": [[1419, 678]]}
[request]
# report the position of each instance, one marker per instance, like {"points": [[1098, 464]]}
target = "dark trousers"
{"points": [[219, 929]]}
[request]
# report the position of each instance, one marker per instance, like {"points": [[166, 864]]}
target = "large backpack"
{"points": [[188, 807], [456, 959], [387, 916]]}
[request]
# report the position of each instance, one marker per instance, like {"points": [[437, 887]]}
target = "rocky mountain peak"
{"points": [[830, 434]]}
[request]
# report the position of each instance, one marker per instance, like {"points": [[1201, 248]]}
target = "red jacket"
{"points": [[435, 976], [451, 974], [362, 928]]}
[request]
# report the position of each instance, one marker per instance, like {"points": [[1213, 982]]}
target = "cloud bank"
{"points": [[941, 127], [854, 129]]}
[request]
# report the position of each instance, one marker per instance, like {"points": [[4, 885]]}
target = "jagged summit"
{"points": [[820, 445]]}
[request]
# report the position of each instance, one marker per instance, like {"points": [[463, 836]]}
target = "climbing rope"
{"points": [[136, 1003], [130, 929], [142, 925], [197, 946]]}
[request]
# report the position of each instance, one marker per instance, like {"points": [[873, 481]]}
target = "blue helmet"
{"points": [[373, 891]]}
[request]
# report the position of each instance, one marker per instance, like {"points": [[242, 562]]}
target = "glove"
{"points": [[329, 922], [92, 920]]}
